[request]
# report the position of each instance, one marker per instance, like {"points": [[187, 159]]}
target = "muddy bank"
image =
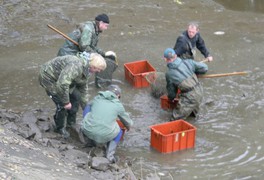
{"points": [[29, 149]]}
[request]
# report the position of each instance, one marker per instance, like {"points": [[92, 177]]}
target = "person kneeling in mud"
{"points": [[99, 123], [181, 74], [65, 79]]}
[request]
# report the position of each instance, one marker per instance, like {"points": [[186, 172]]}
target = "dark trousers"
{"points": [[61, 113]]}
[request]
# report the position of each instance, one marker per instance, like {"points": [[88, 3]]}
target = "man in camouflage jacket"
{"points": [[65, 79], [87, 35], [181, 74]]}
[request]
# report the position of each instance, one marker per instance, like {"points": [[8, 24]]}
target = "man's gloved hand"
{"points": [[112, 57]]}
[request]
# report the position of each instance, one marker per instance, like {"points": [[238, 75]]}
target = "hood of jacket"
{"points": [[108, 95]]}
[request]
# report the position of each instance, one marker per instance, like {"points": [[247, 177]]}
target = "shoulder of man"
{"points": [[88, 25], [183, 37]]}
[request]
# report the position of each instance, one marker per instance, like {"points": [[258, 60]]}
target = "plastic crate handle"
{"points": [[176, 137], [157, 134], [144, 74]]}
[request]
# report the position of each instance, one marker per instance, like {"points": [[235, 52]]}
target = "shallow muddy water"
{"points": [[230, 129]]}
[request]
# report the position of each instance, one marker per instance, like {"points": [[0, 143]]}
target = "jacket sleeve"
{"points": [[199, 67], [181, 45], [86, 44], [171, 87], [200, 44], [124, 117], [66, 77]]}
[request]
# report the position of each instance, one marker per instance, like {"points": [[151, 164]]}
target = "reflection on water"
{"points": [[243, 5]]}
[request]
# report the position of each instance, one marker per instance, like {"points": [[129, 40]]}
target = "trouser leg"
{"points": [[111, 147], [110, 151], [184, 108], [72, 113], [188, 103], [60, 114], [59, 117]]}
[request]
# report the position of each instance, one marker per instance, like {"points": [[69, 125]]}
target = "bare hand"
{"points": [[175, 100], [209, 58], [68, 106]]}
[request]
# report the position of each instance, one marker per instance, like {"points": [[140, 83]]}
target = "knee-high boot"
{"points": [[110, 151]]}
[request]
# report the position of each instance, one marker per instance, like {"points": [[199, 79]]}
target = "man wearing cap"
{"points": [[87, 35], [188, 41], [181, 74], [65, 79], [99, 123]]}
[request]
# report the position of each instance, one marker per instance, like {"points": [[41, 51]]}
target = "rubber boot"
{"points": [[65, 134], [110, 151], [59, 119], [71, 119]]}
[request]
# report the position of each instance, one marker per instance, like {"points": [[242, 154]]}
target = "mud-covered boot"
{"points": [[65, 134], [71, 119], [110, 151]]}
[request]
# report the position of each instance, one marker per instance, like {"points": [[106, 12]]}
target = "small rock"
{"points": [[100, 163]]}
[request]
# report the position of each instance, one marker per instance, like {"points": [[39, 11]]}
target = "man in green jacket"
{"points": [[87, 36], [65, 79], [99, 123], [181, 74]]}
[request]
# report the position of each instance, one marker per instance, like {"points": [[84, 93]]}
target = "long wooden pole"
{"points": [[222, 75], [64, 35]]}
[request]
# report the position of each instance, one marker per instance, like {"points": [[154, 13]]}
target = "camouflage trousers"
{"points": [[61, 113], [188, 103]]}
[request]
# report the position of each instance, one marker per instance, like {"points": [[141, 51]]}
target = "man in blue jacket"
{"points": [[181, 74], [99, 123]]}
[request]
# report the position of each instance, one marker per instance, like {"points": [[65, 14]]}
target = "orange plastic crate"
{"points": [[172, 136], [121, 125], [166, 104], [135, 72]]}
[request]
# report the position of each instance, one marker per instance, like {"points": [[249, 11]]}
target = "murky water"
{"points": [[244, 5], [230, 129]]}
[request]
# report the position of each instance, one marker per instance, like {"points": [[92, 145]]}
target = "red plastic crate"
{"points": [[172, 136], [166, 104], [135, 72], [121, 125]]}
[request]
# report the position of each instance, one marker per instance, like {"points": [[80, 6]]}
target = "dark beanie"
{"points": [[102, 17]]}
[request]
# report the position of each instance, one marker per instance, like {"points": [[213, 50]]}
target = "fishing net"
{"points": [[104, 78], [157, 82]]}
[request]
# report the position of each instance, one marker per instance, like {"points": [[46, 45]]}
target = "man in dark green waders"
{"points": [[181, 74]]}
